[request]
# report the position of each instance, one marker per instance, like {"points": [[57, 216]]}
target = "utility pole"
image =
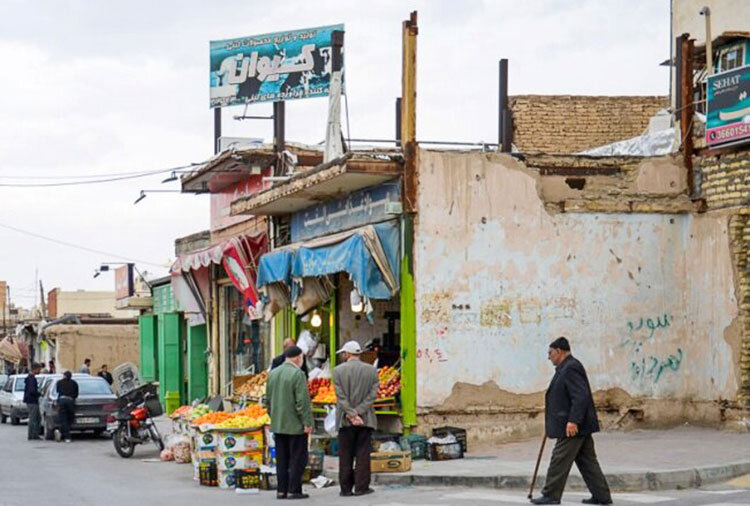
{"points": [[43, 305]]}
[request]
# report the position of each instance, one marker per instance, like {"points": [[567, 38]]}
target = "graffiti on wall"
{"points": [[645, 330]]}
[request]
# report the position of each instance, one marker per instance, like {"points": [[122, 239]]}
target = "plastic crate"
{"points": [[416, 444], [246, 479], [459, 433], [315, 461], [440, 451]]}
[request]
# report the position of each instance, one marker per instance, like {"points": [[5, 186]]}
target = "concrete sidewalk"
{"points": [[633, 461]]}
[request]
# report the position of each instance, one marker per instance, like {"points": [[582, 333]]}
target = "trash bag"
{"points": [[390, 446], [330, 422]]}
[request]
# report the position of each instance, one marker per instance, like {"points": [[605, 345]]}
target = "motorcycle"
{"points": [[133, 422]]}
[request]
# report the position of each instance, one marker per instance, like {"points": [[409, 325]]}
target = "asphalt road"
{"points": [[89, 472]]}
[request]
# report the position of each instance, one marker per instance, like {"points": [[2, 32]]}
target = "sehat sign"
{"points": [[352, 347]]}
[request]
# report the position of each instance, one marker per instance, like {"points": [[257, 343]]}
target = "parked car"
{"points": [[11, 398], [44, 384], [94, 404]]}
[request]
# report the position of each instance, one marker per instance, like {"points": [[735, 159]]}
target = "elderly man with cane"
{"points": [[570, 417]]}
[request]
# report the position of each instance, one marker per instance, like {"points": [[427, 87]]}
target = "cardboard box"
{"points": [[390, 462], [241, 441], [235, 460]]}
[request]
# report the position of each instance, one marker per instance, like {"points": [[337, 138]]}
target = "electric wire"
{"points": [[78, 246], [98, 181]]}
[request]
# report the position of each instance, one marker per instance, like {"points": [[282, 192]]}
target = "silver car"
{"points": [[11, 398]]}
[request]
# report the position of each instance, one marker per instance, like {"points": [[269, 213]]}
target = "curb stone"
{"points": [[618, 482]]}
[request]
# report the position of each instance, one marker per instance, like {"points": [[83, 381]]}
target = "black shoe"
{"points": [[280, 495], [345, 494], [365, 492], [544, 500], [297, 496], [591, 500]]}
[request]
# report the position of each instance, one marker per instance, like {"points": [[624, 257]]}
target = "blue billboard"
{"points": [[272, 67]]}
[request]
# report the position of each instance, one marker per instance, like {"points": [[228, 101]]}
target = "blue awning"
{"points": [[369, 255]]}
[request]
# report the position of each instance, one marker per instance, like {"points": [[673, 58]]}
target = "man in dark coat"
{"points": [[31, 398], [570, 417]]}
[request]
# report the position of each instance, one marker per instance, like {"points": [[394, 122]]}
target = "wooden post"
{"points": [[408, 320], [687, 109], [409, 110]]}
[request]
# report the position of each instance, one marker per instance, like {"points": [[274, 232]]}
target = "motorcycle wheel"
{"points": [[123, 447], [156, 437]]}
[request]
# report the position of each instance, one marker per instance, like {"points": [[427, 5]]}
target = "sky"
{"points": [[103, 87]]}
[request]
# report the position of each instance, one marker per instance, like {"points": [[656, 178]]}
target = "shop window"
{"points": [[731, 57]]}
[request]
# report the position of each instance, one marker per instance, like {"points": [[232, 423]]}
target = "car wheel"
{"points": [[15, 420], [49, 432], [3, 418]]}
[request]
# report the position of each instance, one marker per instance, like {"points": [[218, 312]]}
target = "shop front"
{"points": [[216, 286], [339, 280]]}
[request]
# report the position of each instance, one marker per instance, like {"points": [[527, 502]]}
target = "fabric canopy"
{"points": [[369, 255], [239, 257]]}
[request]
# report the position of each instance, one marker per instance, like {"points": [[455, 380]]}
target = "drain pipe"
{"points": [[705, 11]]}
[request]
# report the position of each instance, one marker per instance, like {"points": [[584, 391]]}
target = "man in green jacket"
{"points": [[291, 422]]}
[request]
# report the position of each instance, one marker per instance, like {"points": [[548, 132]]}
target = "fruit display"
{"points": [[253, 411], [390, 382], [326, 394], [199, 411], [314, 385], [253, 387], [213, 418], [182, 411], [243, 422]]}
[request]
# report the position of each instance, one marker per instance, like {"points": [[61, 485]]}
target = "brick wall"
{"points": [[569, 124], [725, 183], [726, 179]]}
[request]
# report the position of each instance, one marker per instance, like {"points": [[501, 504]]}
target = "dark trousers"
{"points": [[34, 421], [354, 442], [579, 449], [67, 415], [291, 459]]}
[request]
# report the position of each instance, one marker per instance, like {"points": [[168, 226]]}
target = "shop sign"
{"points": [[271, 67], [728, 107], [221, 202], [124, 282], [359, 208]]}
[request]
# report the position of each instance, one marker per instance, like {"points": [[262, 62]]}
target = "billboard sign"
{"points": [[728, 107], [355, 210], [124, 287], [271, 67]]}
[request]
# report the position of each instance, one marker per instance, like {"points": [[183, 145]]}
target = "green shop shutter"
{"points": [[149, 343], [171, 337], [197, 366]]}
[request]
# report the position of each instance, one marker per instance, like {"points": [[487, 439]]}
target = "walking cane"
{"points": [[536, 468]]}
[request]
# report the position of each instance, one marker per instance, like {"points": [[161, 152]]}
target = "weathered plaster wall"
{"points": [[648, 300]]}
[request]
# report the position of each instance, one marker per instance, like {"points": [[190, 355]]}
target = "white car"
{"points": [[11, 398]]}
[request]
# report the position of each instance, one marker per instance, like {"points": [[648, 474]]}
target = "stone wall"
{"points": [[569, 124], [726, 179]]}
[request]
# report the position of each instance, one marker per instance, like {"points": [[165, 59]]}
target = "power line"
{"points": [[77, 246], [97, 181]]}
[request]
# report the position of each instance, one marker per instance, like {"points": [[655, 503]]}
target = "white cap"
{"points": [[352, 347]]}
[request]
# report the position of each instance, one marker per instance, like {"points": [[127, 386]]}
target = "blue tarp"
{"points": [[275, 267], [350, 255]]}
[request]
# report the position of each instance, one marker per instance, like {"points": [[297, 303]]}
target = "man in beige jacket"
{"points": [[356, 386]]}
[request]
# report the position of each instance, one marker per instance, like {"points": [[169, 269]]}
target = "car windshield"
{"points": [[20, 383], [93, 387]]}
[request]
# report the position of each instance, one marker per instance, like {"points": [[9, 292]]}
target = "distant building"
{"points": [[85, 303]]}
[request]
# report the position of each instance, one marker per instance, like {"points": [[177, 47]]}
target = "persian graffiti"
{"points": [[653, 367]]}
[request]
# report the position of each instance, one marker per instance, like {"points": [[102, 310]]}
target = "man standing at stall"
{"points": [[356, 386], [291, 422], [570, 417], [31, 398], [277, 361], [67, 392]]}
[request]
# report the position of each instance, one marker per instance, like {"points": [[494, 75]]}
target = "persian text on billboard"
{"points": [[728, 112], [272, 67]]}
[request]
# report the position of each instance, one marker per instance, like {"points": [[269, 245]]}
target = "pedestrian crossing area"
{"points": [[499, 498]]}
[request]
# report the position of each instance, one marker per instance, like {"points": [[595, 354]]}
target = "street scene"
{"points": [[395, 253]]}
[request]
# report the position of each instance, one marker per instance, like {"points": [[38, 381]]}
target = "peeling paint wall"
{"points": [[646, 299]]}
